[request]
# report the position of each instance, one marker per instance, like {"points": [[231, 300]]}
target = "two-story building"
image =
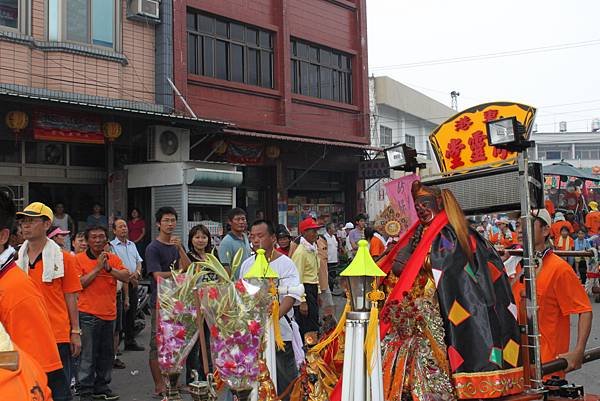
{"points": [[291, 75], [79, 101], [400, 114]]}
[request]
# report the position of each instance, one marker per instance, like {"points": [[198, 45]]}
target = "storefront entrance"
{"points": [[77, 198]]}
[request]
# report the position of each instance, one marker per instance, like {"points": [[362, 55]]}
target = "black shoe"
{"points": [[107, 395], [118, 364], [134, 347]]}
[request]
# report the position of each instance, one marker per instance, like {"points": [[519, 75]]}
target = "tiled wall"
{"points": [[31, 63]]}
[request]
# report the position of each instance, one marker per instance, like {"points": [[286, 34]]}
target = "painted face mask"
{"points": [[427, 208]]}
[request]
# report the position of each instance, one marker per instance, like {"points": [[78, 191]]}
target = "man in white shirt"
{"points": [[262, 235], [347, 244], [129, 255], [332, 246]]}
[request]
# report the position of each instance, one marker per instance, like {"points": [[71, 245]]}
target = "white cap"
{"points": [[504, 220], [349, 226], [543, 215], [558, 216]]}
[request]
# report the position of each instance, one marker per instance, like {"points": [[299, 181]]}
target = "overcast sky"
{"points": [[563, 84]]}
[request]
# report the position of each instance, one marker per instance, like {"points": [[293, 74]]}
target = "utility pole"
{"points": [[454, 95]]}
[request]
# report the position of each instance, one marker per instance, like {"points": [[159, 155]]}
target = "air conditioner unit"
{"points": [[144, 10], [168, 144]]}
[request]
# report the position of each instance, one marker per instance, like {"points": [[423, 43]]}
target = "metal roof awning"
{"points": [[213, 178], [101, 104], [301, 139]]}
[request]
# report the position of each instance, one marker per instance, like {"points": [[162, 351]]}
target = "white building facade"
{"points": [[581, 149], [400, 114]]}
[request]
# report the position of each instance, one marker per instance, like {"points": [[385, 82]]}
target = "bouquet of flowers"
{"points": [[237, 313], [176, 330]]}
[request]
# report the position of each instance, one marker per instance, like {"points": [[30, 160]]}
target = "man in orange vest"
{"points": [[560, 294], [21, 376], [592, 220], [22, 308], [559, 223]]}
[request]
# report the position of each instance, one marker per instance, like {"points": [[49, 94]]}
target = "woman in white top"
{"points": [[65, 222]]}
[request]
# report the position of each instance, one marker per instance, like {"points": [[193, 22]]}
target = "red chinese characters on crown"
{"points": [[462, 124], [500, 153], [455, 147], [490, 115], [477, 145]]}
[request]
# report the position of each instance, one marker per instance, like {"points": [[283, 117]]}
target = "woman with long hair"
{"points": [[199, 245]]}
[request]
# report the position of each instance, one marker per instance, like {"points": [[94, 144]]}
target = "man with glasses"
{"points": [[236, 238], [100, 271], [55, 274], [163, 254], [22, 308]]}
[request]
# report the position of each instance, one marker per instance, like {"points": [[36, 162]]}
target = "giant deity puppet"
{"points": [[449, 324]]}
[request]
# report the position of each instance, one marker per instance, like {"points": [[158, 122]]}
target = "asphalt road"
{"points": [[135, 383]]}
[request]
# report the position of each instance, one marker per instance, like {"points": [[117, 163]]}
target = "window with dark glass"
{"points": [[229, 50], [10, 11], [10, 151], [53, 153], [321, 72], [554, 151], [86, 155]]}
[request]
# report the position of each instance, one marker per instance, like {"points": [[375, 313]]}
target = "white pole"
{"points": [[359, 362], [348, 369], [270, 352], [376, 374]]}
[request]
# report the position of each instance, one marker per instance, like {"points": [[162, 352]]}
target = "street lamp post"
{"points": [[362, 379], [508, 133]]}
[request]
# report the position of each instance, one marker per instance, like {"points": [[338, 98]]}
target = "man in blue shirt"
{"points": [[235, 239], [129, 255]]}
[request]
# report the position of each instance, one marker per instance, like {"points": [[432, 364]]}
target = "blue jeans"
{"points": [[97, 354], [59, 381]]}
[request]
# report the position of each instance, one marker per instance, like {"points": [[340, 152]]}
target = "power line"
{"points": [[486, 56]]}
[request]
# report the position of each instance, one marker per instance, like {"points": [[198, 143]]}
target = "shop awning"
{"points": [[213, 178], [280, 137], [99, 104], [566, 169]]}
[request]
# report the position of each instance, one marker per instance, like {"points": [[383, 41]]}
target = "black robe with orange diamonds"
{"points": [[477, 307]]}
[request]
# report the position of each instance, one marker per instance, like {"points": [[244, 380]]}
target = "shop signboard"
{"points": [[373, 169], [67, 127], [461, 142]]}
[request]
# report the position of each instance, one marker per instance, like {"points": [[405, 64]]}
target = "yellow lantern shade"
{"points": [[112, 130], [363, 264], [360, 274], [17, 121], [260, 268]]}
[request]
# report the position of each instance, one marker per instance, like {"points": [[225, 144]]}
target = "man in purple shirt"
{"points": [[358, 232]]}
